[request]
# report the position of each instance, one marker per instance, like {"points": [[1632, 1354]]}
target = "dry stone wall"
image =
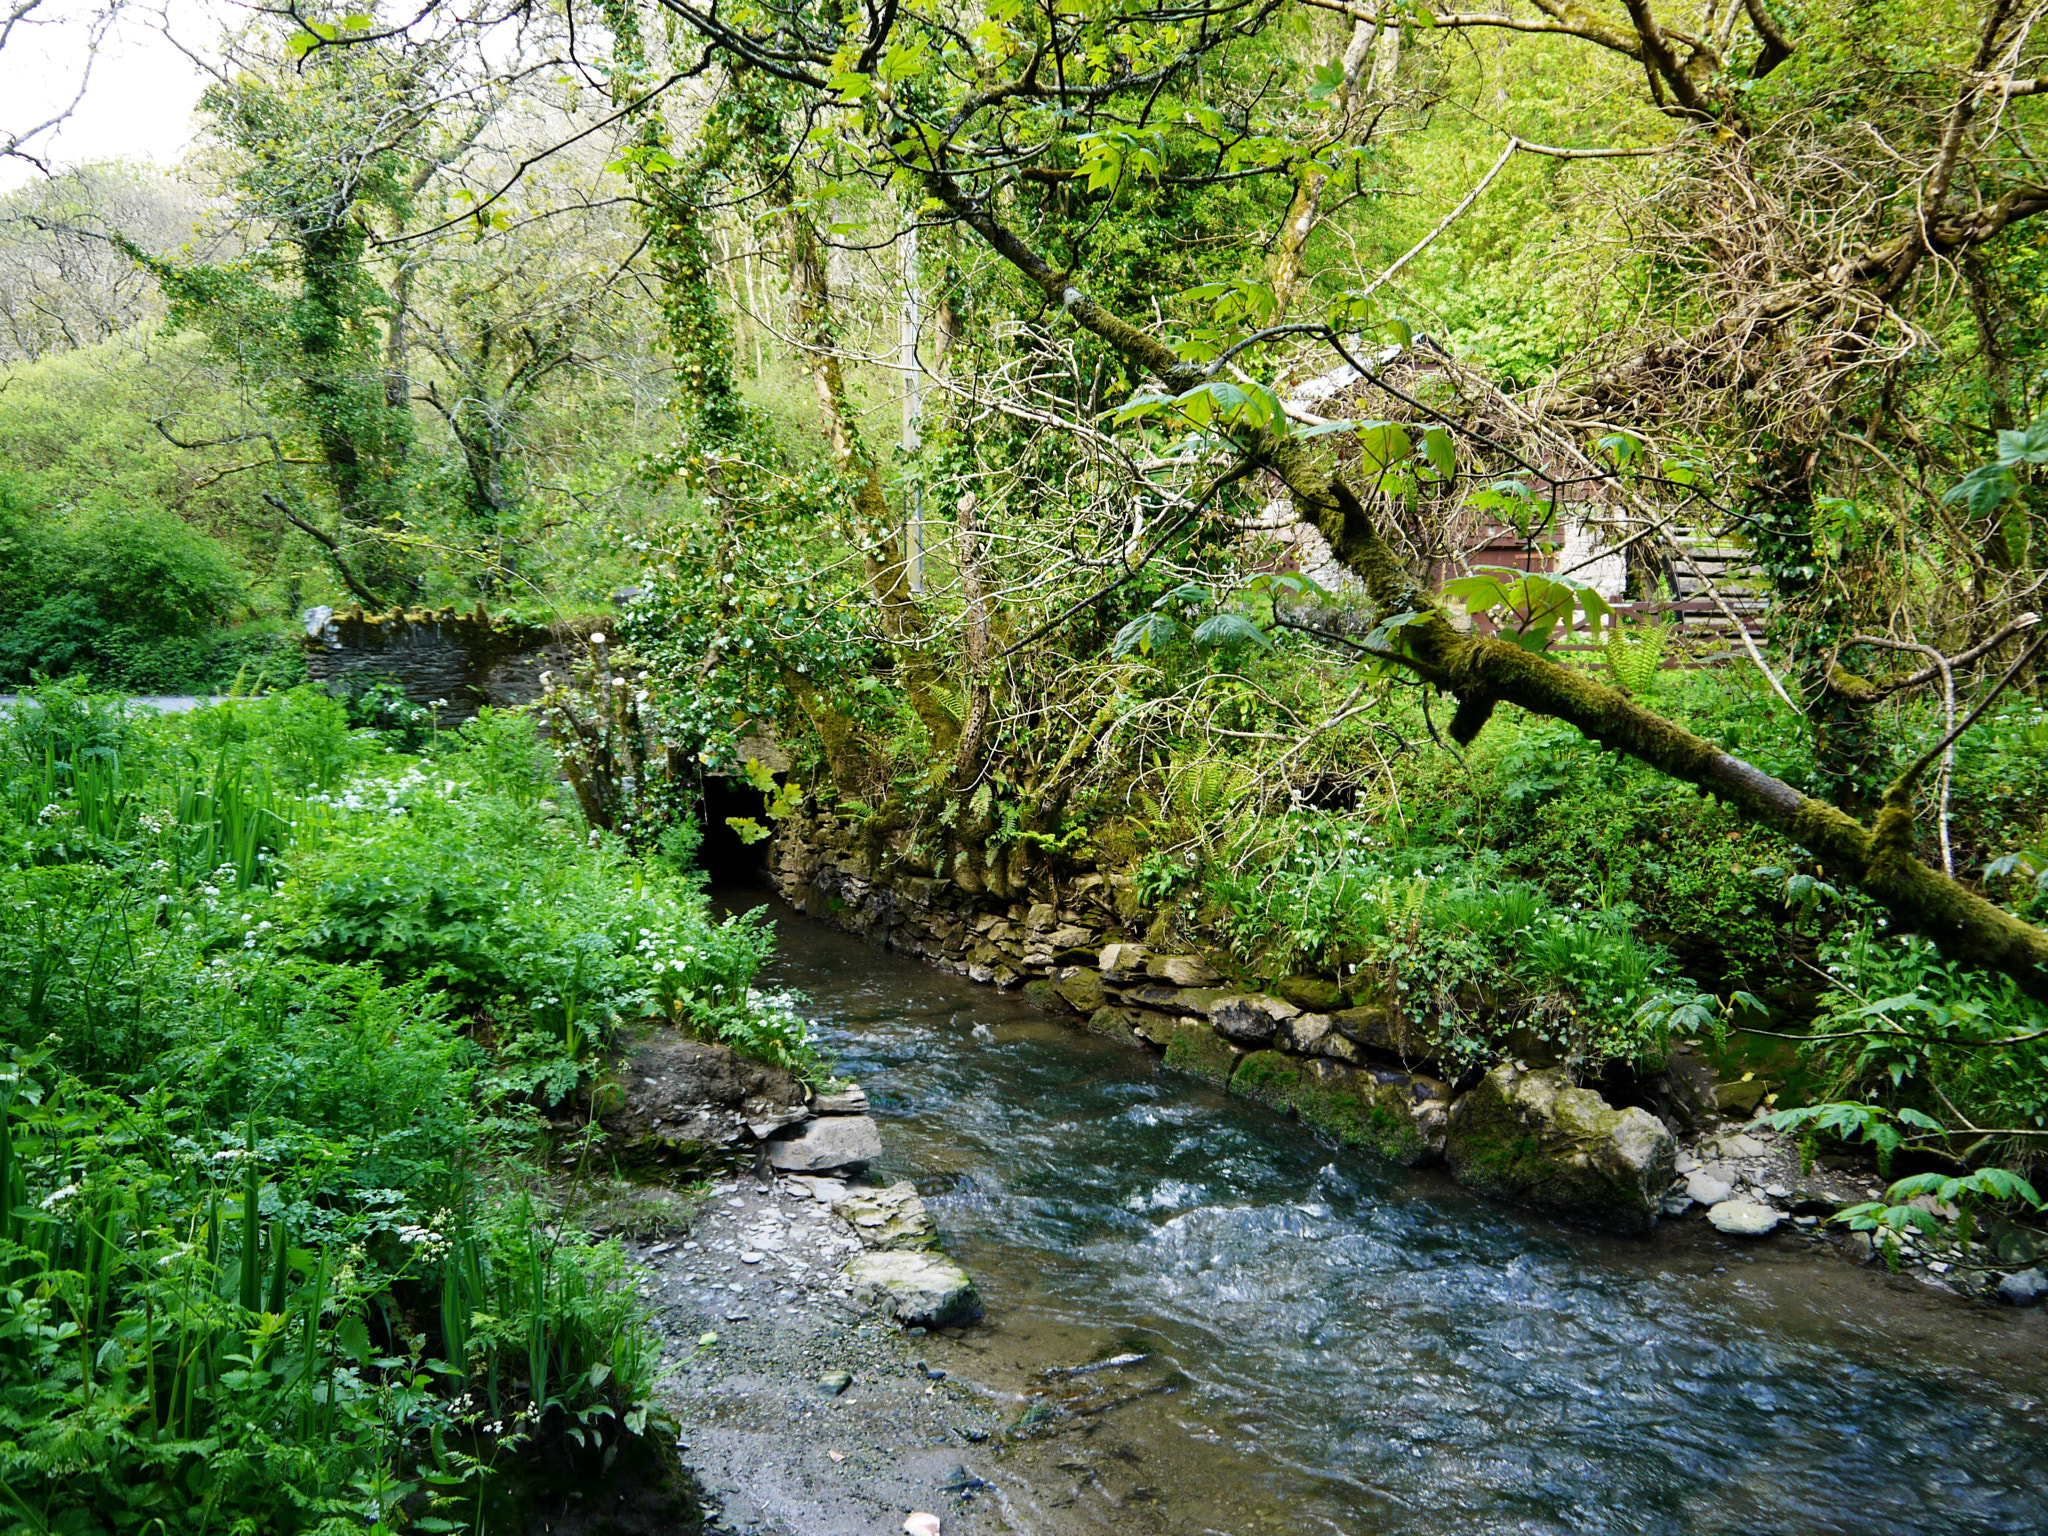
{"points": [[1345, 1059], [451, 661]]}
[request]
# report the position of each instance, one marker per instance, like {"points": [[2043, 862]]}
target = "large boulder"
{"points": [[1397, 1115], [831, 1141], [1532, 1137], [919, 1290]]}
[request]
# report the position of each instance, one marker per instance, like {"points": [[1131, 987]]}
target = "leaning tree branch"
{"points": [[1483, 672], [327, 541]]}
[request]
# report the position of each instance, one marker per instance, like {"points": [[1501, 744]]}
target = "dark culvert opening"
{"points": [[728, 858]]}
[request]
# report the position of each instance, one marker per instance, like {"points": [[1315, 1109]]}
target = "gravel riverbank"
{"points": [[804, 1412]]}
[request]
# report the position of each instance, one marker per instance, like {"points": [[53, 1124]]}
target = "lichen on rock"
{"points": [[919, 1290]]}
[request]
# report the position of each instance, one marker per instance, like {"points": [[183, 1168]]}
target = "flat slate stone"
{"points": [[850, 1100], [1707, 1189], [831, 1141], [887, 1218], [1744, 1218]]}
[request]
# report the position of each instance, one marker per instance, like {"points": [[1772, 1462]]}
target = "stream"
{"points": [[1335, 1344]]}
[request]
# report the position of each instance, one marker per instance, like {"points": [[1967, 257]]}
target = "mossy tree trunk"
{"points": [[1483, 672]]}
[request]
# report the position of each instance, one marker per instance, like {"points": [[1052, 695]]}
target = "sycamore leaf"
{"points": [[1147, 633], [1231, 632]]}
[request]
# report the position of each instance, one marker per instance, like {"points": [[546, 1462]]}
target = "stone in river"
{"points": [[1532, 1136], [923, 1290], [2024, 1288], [1707, 1189], [1197, 1050], [1744, 1218], [1398, 1115], [831, 1141], [1083, 990]]}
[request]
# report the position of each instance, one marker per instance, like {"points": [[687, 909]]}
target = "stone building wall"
{"points": [[455, 662]]}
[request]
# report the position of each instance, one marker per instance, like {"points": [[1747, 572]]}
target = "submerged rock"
{"points": [[919, 1290], [1046, 997], [1398, 1115], [1531, 1136], [833, 1141]]}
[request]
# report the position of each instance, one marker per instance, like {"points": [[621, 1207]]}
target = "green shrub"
{"points": [[128, 594]]}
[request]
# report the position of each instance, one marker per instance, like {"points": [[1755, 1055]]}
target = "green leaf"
{"points": [[1147, 633], [1382, 445], [905, 61], [354, 1338], [1984, 489], [1231, 632], [851, 85], [1620, 447], [1441, 451], [1479, 594]]}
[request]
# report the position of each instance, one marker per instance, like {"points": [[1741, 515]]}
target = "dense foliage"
{"points": [[282, 1010]]}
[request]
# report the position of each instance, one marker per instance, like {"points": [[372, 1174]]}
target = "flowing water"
{"points": [[1336, 1344]]}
